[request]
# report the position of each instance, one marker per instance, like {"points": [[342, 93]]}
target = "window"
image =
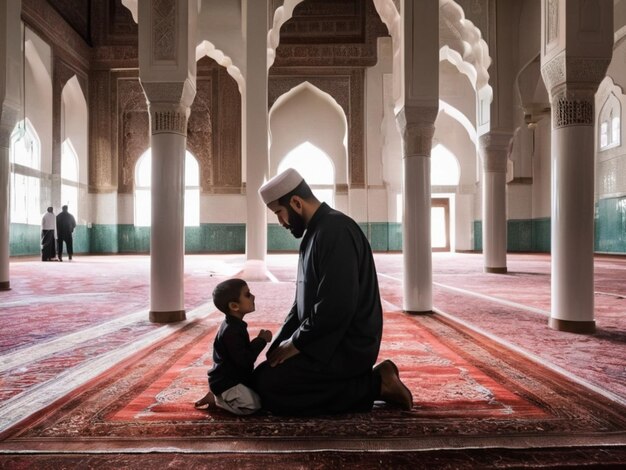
{"points": [[615, 131], [610, 123], [604, 135], [25, 157], [143, 181], [444, 169], [316, 167], [69, 177]]}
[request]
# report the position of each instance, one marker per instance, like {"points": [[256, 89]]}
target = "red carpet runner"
{"points": [[468, 392]]}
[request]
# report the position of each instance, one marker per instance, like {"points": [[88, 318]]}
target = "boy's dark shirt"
{"points": [[233, 355]]}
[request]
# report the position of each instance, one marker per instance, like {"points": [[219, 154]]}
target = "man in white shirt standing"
{"points": [[48, 235]]}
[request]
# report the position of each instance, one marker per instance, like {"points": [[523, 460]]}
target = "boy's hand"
{"points": [[266, 335]]}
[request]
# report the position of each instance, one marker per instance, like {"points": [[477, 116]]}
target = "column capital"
{"points": [[494, 150], [169, 105], [573, 107], [417, 126]]}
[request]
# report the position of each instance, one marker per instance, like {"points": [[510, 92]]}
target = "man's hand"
{"points": [[265, 335], [284, 351]]}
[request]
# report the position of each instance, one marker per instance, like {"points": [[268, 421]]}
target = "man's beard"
{"points": [[296, 223]]}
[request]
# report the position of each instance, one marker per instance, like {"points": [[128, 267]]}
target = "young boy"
{"points": [[233, 352]]}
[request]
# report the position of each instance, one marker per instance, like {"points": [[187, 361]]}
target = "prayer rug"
{"points": [[469, 392]]}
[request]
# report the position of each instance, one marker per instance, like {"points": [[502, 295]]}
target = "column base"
{"points": [[581, 327], [255, 270], [167, 317], [414, 312], [5, 285], [496, 270]]}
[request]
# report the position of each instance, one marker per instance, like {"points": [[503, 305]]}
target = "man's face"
{"points": [[289, 219]]}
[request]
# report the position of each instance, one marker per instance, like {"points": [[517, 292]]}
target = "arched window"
{"points": [[25, 156], [69, 177], [143, 181], [316, 167], [610, 123]]}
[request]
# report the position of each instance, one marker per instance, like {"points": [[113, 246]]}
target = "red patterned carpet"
{"points": [[477, 403]]}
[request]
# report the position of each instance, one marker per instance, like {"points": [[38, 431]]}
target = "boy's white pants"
{"points": [[240, 400]]}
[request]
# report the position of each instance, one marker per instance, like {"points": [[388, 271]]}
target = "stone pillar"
{"points": [[255, 135], [167, 70], [494, 149], [11, 70], [417, 129], [577, 46], [418, 109]]}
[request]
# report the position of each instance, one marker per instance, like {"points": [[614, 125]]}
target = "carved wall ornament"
{"points": [[552, 21], [588, 72], [573, 109], [164, 30], [553, 72]]}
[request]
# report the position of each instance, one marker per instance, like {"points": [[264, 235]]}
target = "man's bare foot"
{"points": [[206, 401], [392, 390]]}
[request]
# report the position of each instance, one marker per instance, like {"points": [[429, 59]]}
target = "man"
{"points": [[321, 360], [48, 235], [65, 227]]}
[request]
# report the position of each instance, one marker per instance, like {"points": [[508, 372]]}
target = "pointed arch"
{"points": [[318, 167], [324, 126], [74, 119]]}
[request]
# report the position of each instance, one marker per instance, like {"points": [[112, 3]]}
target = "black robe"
{"points": [[335, 323], [233, 355]]}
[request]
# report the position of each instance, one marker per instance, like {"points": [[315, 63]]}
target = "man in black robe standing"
{"points": [[65, 227], [322, 359]]}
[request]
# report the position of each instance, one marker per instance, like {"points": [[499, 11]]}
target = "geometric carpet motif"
{"points": [[466, 388]]}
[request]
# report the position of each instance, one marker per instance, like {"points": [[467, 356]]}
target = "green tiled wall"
{"points": [[610, 227], [25, 239], [526, 235], [280, 239], [217, 238], [523, 235]]}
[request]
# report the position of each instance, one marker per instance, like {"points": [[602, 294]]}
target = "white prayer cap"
{"points": [[280, 185]]}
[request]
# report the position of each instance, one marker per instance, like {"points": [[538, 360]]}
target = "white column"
{"points": [[576, 49], [572, 215], [494, 148], [167, 235], [418, 106], [5, 140], [167, 69], [255, 135], [416, 214], [11, 69]]}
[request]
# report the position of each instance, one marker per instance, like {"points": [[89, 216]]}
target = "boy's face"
{"points": [[246, 300]]}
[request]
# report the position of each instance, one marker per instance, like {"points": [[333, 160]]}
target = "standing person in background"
{"points": [[65, 227], [48, 235]]}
